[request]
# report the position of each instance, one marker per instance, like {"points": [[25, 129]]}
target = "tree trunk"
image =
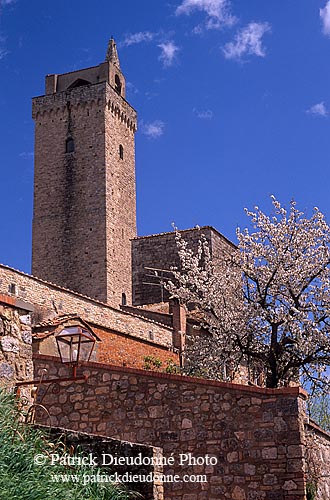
{"points": [[272, 371]]}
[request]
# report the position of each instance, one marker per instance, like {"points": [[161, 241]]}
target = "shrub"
{"points": [[22, 479]]}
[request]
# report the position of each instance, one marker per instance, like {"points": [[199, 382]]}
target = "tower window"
{"points": [[12, 288], [121, 152], [117, 85], [69, 145]]}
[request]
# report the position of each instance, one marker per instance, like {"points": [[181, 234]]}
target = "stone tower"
{"points": [[84, 182]]}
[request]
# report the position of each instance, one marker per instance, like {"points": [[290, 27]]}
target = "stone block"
{"points": [[9, 344], [269, 453], [238, 493]]}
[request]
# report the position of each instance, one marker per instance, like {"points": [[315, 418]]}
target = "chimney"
{"points": [[178, 311]]}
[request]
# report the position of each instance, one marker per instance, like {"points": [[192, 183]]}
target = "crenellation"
{"points": [[99, 94]]}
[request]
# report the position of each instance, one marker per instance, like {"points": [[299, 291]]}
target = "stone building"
{"points": [[84, 220], [15, 340], [126, 336], [84, 182], [84, 191], [90, 267], [153, 256]]}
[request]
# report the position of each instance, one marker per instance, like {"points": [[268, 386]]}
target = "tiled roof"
{"points": [[57, 320], [51, 324]]}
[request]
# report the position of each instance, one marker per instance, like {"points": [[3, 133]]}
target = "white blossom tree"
{"points": [[265, 304]]}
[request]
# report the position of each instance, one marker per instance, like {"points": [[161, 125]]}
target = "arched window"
{"points": [[121, 152], [117, 85], [69, 145], [123, 299]]}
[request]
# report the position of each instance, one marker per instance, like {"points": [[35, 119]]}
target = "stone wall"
{"points": [[15, 343], [318, 460], [51, 300], [160, 252], [165, 318], [102, 448], [255, 435]]}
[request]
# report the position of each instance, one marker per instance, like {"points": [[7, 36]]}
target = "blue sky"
{"points": [[233, 99]]}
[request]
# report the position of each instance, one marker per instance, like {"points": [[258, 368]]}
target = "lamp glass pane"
{"points": [[75, 344]]}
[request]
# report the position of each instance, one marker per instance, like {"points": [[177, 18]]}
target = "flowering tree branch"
{"points": [[267, 302]]}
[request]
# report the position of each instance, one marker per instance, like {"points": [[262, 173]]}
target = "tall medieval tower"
{"points": [[84, 182]]}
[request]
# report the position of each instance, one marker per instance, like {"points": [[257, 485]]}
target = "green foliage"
{"points": [[151, 363], [195, 372], [171, 367], [311, 491], [319, 410], [22, 479]]}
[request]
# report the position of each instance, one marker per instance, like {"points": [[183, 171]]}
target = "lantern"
{"points": [[75, 344]]}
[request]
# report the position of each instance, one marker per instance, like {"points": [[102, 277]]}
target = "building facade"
{"points": [[153, 257]]}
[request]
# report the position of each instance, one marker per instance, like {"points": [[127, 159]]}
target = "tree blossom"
{"points": [[266, 304]]}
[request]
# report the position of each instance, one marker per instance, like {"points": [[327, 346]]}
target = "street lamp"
{"points": [[75, 344]]}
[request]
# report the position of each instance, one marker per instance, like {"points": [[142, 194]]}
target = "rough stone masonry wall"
{"points": [[15, 345], [255, 434], [120, 127], [87, 195], [66, 218], [318, 460], [52, 300], [102, 447]]}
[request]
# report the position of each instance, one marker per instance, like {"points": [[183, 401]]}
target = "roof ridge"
{"points": [[198, 228]]}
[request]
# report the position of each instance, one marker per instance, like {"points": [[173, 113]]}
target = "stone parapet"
{"points": [[254, 435], [318, 459], [99, 94]]}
